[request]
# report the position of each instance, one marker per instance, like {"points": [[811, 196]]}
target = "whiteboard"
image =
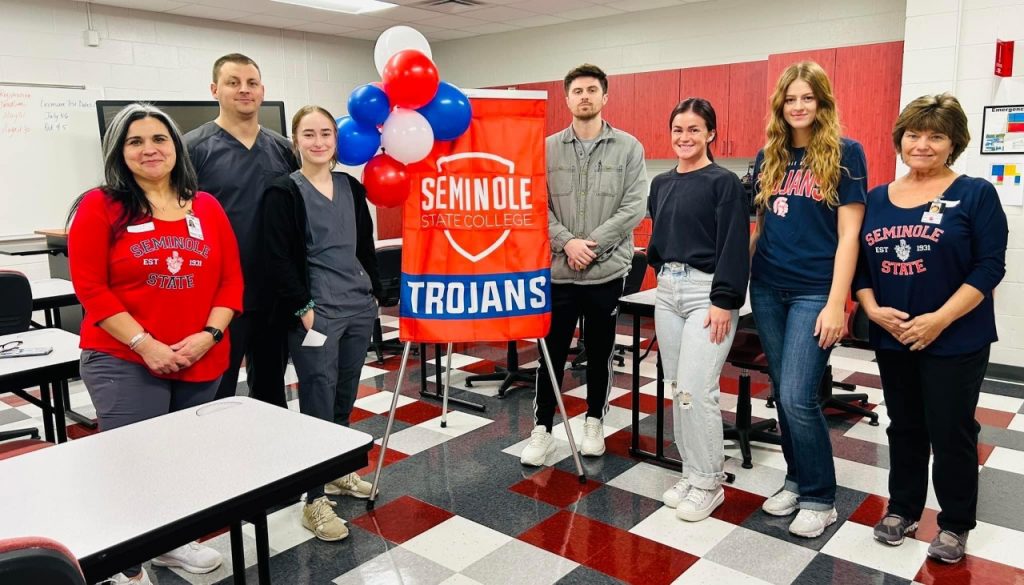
{"points": [[49, 154]]}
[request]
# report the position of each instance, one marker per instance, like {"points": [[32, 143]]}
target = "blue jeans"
{"points": [[785, 323]]}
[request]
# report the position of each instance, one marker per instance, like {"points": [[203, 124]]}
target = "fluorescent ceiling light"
{"points": [[344, 6]]}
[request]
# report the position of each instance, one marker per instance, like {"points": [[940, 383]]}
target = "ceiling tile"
{"points": [[406, 14], [592, 11], [491, 28], [210, 12], [365, 35], [358, 20], [271, 21], [453, 21], [549, 7], [326, 29], [638, 5], [500, 13], [150, 5], [451, 35], [538, 20]]}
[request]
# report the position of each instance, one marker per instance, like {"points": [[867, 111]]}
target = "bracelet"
{"points": [[137, 339], [309, 306]]}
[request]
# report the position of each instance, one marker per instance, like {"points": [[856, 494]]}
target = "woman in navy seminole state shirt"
{"points": [[933, 249], [810, 195]]}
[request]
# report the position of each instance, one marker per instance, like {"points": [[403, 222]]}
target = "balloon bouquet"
{"points": [[404, 114]]}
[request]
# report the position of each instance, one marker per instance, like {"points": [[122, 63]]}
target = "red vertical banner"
{"points": [[476, 260]]}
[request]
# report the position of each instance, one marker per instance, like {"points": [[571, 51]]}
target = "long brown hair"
{"points": [[297, 119], [823, 155]]}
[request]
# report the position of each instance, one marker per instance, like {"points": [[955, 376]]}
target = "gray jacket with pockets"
{"points": [[601, 197]]}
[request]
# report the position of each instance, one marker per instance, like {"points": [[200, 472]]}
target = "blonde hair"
{"points": [[823, 151], [297, 119], [936, 113]]}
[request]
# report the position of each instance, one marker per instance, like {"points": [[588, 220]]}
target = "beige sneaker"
{"points": [[349, 485], [320, 519]]}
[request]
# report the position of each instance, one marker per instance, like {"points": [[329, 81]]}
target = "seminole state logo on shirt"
{"points": [[892, 241], [165, 252]]}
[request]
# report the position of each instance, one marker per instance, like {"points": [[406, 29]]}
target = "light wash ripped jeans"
{"points": [[692, 365]]}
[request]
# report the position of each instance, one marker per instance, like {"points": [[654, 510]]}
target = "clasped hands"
{"points": [[580, 253], [917, 333], [168, 359]]}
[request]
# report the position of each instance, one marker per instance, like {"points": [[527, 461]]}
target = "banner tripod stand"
{"points": [[444, 415]]}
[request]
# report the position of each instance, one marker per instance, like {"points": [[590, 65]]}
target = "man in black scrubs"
{"points": [[235, 159]]}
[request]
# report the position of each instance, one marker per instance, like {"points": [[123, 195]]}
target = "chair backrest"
{"points": [[858, 325], [637, 271], [389, 265], [15, 302], [38, 560]]}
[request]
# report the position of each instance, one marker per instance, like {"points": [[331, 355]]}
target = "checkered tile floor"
{"points": [[457, 508]]}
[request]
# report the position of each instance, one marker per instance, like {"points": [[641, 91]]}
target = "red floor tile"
{"points": [[365, 391], [359, 414], [572, 536], [417, 412], [554, 486], [390, 457], [77, 431], [731, 385], [402, 519], [639, 561], [862, 379], [873, 508], [12, 400], [993, 418], [648, 403], [984, 451], [972, 571], [738, 506], [480, 367], [574, 406], [619, 443]]}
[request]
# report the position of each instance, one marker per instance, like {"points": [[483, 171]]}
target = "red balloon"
{"points": [[386, 181], [410, 79]]}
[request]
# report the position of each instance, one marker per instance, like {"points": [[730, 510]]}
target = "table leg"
{"points": [[635, 438], [262, 548], [58, 413], [660, 385], [49, 414], [237, 554]]}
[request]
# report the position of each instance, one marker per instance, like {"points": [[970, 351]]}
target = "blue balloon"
{"points": [[356, 143], [449, 113], [369, 105]]}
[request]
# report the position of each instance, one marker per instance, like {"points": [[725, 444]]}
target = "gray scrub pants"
{"points": [[329, 374]]}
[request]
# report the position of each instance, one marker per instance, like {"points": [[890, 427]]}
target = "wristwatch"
{"points": [[216, 333]]}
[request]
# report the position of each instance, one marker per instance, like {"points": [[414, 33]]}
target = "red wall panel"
{"points": [[712, 84], [655, 93]]}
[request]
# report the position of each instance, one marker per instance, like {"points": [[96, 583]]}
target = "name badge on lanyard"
{"points": [[934, 213], [195, 229]]}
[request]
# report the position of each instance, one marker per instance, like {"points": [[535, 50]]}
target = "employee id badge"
{"points": [[934, 213], [195, 229]]}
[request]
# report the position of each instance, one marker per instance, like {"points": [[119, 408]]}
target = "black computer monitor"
{"points": [[189, 115]]}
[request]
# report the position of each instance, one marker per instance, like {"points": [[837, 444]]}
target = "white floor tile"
{"points": [[705, 572], [370, 372], [459, 579], [996, 543], [999, 402], [380, 402], [457, 543], [1006, 459], [459, 423], [696, 538], [855, 543], [414, 440], [284, 528], [397, 565], [1017, 423], [865, 432], [646, 479], [856, 365]]}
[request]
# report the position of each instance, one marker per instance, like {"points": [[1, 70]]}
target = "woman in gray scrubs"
{"points": [[322, 269]]}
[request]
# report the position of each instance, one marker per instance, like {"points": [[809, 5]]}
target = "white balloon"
{"points": [[395, 39], [407, 136]]}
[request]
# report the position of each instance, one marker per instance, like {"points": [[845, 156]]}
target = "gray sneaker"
{"points": [[892, 529], [948, 546]]}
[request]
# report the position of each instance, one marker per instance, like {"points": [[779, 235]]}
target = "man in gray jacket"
{"points": [[597, 194]]}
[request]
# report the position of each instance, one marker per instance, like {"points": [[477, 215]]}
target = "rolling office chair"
{"points": [[634, 281], [856, 336], [389, 264], [38, 560], [15, 317], [747, 355]]}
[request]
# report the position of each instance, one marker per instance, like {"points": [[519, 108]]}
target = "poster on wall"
{"points": [[1002, 130], [1008, 178]]}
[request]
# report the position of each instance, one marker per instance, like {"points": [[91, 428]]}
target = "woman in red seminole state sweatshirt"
{"points": [[155, 265]]}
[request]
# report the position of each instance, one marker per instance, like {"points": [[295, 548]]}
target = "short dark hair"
{"points": [[586, 70], [702, 108], [236, 58], [934, 113]]}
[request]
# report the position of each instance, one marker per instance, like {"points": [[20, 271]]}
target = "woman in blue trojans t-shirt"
{"points": [[933, 249], [810, 193]]}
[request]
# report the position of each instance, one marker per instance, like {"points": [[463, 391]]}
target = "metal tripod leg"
{"points": [[561, 407], [387, 430], [447, 385]]}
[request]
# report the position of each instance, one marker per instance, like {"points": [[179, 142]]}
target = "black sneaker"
{"points": [[948, 546], [892, 529]]}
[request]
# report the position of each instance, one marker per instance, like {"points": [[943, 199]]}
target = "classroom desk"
{"points": [[143, 489], [638, 305], [45, 371], [32, 249]]}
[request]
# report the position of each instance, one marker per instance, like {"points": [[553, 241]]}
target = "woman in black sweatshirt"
{"points": [[699, 248]]}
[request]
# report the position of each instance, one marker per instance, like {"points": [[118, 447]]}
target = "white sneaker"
{"points": [[593, 438], [192, 557], [120, 579], [811, 523], [540, 446], [349, 485], [676, 493], [783, 503], [699, 504]]}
